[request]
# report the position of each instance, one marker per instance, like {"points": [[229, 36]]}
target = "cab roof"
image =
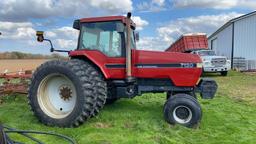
{"points": [[105, 19]]}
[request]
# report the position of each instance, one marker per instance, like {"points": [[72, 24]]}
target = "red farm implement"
{"points": [[15, 82]]}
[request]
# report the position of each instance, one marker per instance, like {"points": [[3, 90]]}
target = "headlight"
{"points": [[199, 65], [228, 61]]}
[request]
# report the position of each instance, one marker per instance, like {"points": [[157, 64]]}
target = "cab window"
{"points": [[103, 37]]}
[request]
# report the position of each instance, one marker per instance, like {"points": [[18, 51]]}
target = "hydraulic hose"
{"points": [[5, 138]]}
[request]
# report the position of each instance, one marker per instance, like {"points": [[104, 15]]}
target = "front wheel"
{"points": [[182, 109]]}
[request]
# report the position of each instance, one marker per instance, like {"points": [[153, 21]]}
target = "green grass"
{"points": [[229, 118]]}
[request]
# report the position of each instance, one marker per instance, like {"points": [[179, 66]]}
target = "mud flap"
{"points": [[207, 88]]}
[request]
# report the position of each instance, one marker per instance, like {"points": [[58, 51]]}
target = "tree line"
{"points": [[20, 55]]}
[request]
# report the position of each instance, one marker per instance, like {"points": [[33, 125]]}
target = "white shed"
{"points": [[237, 40]]}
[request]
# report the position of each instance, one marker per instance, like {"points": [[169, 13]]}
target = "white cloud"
{"points": [[204, 23], [158, 2], [152, 43], [63, 32], [169, 32], [50, 34], [63, 37], [151, 6], [112, 5], [22, 10], [216, 4], [66, 44], [16, 31], [140, 23]]}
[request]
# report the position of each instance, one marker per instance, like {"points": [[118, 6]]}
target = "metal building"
{"points": [[237, 40]]}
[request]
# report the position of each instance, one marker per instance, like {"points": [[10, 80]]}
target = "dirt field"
{"points": [[19, 64]]}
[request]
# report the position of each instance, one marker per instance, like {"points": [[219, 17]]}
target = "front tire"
{"points": [[62, 93], [170, 94], [182, 109]]}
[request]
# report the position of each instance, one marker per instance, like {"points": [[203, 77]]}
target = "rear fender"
{"points": [[99, 63]]}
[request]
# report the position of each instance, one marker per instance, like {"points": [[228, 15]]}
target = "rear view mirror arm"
{"points": [[52, 48]]}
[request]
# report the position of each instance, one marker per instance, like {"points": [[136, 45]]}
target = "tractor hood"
{"points": [[158, 57]]}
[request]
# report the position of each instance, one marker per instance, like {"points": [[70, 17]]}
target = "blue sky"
{"points": [[160, 22]]}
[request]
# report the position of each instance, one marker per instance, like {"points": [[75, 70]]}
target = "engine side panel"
{"points": [[180, 68]]}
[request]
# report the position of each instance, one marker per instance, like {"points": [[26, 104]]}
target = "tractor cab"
{"points": [[107, 37], [113, 36]]}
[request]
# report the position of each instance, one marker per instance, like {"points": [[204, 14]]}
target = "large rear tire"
{"points": [[182, 109], [100, 86], [62, 93]]}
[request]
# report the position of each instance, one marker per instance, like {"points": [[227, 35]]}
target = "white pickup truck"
{"points": [[213, 63]]}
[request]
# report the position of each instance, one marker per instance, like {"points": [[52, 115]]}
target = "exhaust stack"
{"points": [[129, 77]]}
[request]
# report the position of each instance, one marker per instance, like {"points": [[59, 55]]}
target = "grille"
{"points": [[218, 61]]}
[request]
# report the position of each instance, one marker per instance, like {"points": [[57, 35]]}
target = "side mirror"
{"points": [[40, 36], [137, 36]]}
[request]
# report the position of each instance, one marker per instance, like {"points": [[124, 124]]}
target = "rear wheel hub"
{"points": [[57, 96], [65, 93]]}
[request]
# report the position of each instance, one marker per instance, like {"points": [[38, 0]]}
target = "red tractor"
{"points": [[105, 67]]}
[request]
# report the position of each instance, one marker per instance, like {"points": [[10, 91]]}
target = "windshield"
{"points": [[106, 37], [206, 53]]}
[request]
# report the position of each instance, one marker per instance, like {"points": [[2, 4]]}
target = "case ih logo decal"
{"points": [[173, 65]]}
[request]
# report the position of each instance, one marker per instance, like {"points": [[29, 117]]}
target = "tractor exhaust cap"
{"points": [[129, 15]]}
